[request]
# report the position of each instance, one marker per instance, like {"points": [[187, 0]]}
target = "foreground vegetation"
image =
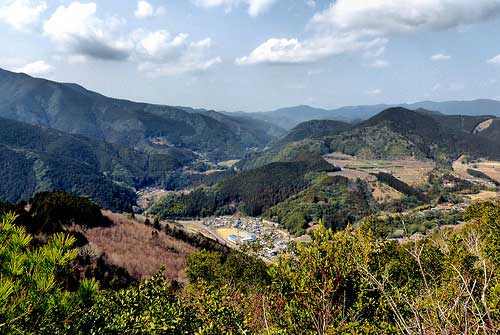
{"points": [[349, 282]]}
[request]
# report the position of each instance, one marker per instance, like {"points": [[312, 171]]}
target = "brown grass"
{"points": [[383, 193], [138, 248], [411, 171]]}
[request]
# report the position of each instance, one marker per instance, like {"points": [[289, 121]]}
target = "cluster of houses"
{"points": [[250, 230]]}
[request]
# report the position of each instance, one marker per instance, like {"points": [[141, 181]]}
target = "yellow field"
{"points": [[411, 171], [490, 168]]}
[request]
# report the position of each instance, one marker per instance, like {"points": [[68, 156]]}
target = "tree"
{"points": [[31, 298]]}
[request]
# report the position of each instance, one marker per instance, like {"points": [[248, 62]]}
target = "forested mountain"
{"points": [[252, 191], [34, 159], [303, 139], [73, 109], [392, 134], [242, 123], [430, 137], [315, 129]]}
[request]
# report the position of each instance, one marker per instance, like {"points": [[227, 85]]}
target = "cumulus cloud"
{"points": [[381, 17], [22, 14], [77, 30], [145, 9], [255, 7], [161, 54], [307, 51], [495, 60], [81, 35], [38, 68], [366, 21], [440, 57]]}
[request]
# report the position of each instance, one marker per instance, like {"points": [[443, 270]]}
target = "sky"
{"points": [[258, 55]]}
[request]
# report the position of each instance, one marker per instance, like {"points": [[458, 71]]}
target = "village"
{"points": [[266, 238]]}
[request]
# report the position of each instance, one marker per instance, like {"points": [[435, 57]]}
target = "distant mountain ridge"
{"points": [[73, 109], [391, 134], [289, 117]]}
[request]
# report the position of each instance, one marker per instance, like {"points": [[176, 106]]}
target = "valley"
{"points": [[217, 208], [249, 167]]}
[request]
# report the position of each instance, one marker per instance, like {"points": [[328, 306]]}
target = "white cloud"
{"points": [[376, 91], [38, 68], [22, 14], [145, 10], [494, 60], [161, 54], [311, 50], [362, 22], [255, 7], [381, 17], [379, 63], [77, 30], [440, 57], [81, 36]]}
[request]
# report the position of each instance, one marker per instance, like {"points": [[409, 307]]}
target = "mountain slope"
{"points": [[315, 129], [399, 132], [34, 159], [298, 143], [73, 109], [261, 130]]}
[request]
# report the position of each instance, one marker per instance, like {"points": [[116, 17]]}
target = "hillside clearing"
{"points": [[139, 248], [411, 171], [490, 168]]}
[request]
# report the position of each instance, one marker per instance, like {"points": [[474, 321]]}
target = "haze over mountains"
{"points": [[289, 117]]}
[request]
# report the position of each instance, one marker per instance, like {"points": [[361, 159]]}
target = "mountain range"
{"points": [[60, 136], [75, 110], [289, 117]]}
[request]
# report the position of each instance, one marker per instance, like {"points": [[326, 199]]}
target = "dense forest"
{"points": [[35, 159], [252, 192], [347, 282], [333, 201]]}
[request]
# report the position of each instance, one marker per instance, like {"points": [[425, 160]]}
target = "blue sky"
{"points": [[259, 55]]}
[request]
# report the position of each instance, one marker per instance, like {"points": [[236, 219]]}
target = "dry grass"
{"points": [[383, 193], [484, 195], [353, 174], [490, 168], [137, 248]]}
